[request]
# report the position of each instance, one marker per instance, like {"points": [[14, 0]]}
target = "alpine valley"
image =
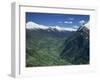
{"points": [[51, 46]]}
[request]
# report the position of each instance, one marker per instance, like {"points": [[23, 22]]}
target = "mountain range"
{"points": [[35, 26], [54, 45]]}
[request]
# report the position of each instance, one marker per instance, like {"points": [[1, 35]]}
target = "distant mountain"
{"points": [[34, 33], [35, 26], [34, 30], [76, 48]]}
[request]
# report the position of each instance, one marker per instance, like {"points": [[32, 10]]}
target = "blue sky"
{"points": [[62, 20]]}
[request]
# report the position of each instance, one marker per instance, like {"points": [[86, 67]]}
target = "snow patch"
{"points": [[87, 25], [33, 25]]}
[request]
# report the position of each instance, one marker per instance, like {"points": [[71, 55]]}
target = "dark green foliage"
{"points": [[43, 48]]}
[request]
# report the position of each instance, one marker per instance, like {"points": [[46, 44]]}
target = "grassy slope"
{"points": [[44, 51]]}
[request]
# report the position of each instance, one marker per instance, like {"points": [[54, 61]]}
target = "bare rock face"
{"points": [[76, 48]]}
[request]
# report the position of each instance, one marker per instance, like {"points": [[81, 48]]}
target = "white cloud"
{"points": [[82, 22], [33, 25], [64, 28], [68, 22], [75, 26]]}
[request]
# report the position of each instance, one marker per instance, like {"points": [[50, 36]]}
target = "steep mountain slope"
{"points": [[76, 48]]}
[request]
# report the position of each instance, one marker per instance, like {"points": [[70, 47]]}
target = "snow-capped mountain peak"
{"points": [[87, 25], [33, 25]]}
